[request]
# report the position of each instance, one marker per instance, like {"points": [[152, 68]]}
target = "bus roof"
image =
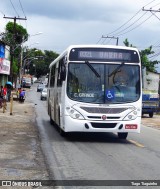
{"points": [[66, 51]]}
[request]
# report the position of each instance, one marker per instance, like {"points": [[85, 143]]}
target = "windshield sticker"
{"points": [[84, 95], [119, 95], [110, 94]]}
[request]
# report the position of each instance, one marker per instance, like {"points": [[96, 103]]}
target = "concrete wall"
{"points": [[151, 81]]}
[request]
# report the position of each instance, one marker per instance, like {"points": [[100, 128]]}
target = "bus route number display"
{"points": [[102, 55]]}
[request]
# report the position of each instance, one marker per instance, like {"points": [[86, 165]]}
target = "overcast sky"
{"points": [[67, 22]]}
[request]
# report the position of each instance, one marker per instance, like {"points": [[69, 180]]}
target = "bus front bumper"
{"points": [[75, 125]]}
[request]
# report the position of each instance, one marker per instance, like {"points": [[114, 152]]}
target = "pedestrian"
{"points": [[1, 96], [9, 89], [5, 92], [1, 92], [22, 95]]}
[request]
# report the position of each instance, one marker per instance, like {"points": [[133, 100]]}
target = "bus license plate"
{"points": [[131, 126]]}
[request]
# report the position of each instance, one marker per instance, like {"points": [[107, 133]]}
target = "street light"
{"points": [[38, 33], [32, 58], [29, 54]]}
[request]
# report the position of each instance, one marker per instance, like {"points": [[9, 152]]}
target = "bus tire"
{"points": [[51, 121], [62, 133], [122, 135], [151, 114]]}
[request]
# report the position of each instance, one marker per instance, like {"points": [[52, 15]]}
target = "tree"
{"points": [[40, 66], [127, 44], [150, 65], [14, 36]]}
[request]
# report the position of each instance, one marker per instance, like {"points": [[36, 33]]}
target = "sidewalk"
{"points": [[20, 152]]}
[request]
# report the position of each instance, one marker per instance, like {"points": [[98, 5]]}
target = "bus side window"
{"points": [[61, 72], [52, 78]]}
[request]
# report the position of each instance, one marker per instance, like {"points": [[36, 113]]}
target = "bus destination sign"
{"points": [[104, 54]]}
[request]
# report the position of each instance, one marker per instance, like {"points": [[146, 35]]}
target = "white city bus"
{"points": [[96, 88]]}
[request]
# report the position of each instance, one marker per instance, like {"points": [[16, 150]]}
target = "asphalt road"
{"points": [[99, 156]]}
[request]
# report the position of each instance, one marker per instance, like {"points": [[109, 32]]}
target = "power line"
{"points": [[14, 8], [123, 24], [23, 12], [2, 12], [130, 19], [22, 8], [136, 26], [119, 33], [113, 32]]}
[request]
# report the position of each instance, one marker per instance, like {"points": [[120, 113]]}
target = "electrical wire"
{"points": [[22, 8], [124, 23], [156, 5], [154, 55], [130, 19], [14, 7], [113, 32], [136, 26], [23, 12], [2, 12], [119, 33]]}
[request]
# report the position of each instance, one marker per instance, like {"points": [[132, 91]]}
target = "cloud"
{"points": [[70, 9]]}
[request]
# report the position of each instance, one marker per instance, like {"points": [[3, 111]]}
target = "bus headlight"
{"points": [[131, 116], [74, 113]]}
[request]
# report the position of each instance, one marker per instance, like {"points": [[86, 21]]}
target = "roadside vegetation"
{"points": [[14, 36]]}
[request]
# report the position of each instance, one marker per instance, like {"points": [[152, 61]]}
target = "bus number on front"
{"points": [[85, 54]]}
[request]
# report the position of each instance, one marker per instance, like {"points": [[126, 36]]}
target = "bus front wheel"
{"points": [[51, 121], [122, 135], [62, 133]]}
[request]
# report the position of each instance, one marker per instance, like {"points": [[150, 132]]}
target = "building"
{"points": [[4, 63]]}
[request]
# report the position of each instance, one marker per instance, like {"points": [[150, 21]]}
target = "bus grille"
{"points": [[103, 125], [104, 110]]}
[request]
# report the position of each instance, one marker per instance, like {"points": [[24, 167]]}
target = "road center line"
{"points": [[136, 143]]}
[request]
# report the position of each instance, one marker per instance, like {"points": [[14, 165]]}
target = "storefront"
{"points": [[4, 63]]}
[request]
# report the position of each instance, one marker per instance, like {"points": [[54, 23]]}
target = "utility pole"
{"points": [[152, 11], [111, 38], [12, 46]]}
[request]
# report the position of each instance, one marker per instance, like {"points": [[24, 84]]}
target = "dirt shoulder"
{"points": [[20, 152], [153, 122]]}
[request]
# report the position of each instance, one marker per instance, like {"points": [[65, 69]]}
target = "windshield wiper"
{"points": [[116, 70], [92, 68]]}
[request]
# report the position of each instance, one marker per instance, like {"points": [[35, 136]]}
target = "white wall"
{"points": [[151, 81]]}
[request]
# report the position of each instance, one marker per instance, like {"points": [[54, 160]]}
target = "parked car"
{"points": [[44, 94], [40, 87]]}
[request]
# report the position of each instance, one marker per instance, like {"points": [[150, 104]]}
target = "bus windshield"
{"points": [[118, 83]]}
